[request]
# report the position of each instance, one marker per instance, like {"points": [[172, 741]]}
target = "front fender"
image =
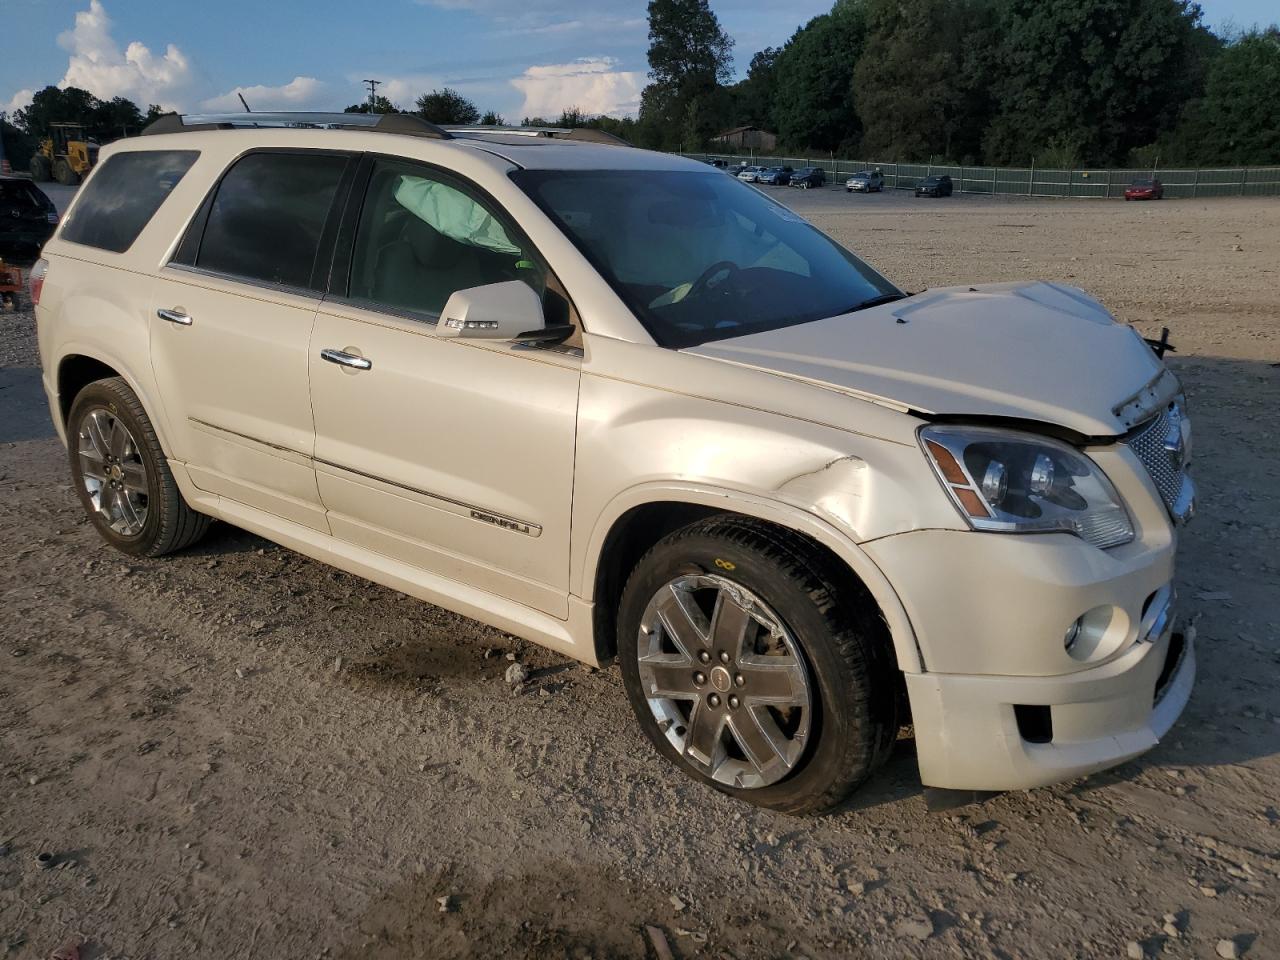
{"points": [[783, 514]]}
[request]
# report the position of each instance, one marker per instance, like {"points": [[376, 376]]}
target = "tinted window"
{"points": [[268, 215], [423, 236], [21, 193], [123, 195], [702, 257]]}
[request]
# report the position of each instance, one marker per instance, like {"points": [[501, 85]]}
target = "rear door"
{"points": [[454, 456], [232, 319]]}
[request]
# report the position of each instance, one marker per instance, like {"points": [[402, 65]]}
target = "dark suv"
{"points": [[27, 218], [936, 186], [807, 177]]}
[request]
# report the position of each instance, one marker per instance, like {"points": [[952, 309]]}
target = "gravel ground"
{"points": [[237, 752]]}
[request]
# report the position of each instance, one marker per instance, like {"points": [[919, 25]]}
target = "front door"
{"points": [[455, 456], [231, 323]]}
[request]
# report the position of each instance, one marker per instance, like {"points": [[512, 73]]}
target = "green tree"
{"points": [[492, 118], [572, 117], [380, 105], [916, 90], [690, 57], [753, 94], [118, 117], [1109, 75], [55, 105], [1237, 122], [447, 106], [813, 97]]}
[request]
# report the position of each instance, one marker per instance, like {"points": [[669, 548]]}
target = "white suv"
{"points": [[626, 407]]}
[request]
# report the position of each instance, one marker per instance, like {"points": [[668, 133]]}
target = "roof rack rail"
{"points": [[406, 124], [583, 134]]}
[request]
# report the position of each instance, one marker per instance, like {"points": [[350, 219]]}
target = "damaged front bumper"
{"points": [[1007, 733]]}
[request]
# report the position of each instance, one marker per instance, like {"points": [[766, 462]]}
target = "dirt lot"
{"points": [[237, 752]]}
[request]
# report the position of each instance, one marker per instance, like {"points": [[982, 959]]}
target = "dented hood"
{"points": [[1031, 351]]}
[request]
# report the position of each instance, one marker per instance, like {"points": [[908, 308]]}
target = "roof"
{"points": [[746, 129], [533, 148]]}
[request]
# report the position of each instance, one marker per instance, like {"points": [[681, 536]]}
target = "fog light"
{"points": [[1072, 635]]}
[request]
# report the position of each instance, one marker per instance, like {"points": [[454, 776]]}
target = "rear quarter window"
{"points": [[123, 195]]}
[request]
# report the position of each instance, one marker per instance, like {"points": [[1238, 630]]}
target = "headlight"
{"points": [[1010, 482]]}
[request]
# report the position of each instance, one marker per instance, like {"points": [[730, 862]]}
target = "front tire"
{"points": [[758, 666], [63, 173], [39, 168], [122, 476]]}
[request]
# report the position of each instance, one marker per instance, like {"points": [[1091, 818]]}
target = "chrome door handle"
{"points": [[174, 316], [342, 358]]}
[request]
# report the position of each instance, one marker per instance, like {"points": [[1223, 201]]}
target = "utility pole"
{"points": [[373, 89]]}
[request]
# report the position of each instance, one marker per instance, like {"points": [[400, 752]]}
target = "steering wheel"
{"points": [[704, 281]]}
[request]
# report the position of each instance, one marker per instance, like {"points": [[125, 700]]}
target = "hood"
{"points": [[1030, 351]]}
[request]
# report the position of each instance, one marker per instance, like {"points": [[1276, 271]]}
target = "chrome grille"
{"points": [[1151, 443]]}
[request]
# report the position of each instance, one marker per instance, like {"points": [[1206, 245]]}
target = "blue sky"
{"points": [[519, 57]]}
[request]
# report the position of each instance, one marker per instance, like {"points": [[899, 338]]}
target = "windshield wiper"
{"points": [[875, 302]]}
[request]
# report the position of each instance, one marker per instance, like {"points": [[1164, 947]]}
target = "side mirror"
{"points": [[496, 311]]}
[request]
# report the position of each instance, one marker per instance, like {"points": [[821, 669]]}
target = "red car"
{"points": [[1144, 190]]}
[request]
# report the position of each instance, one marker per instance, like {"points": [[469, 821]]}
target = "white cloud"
{"points": [[591, 84], [17, 102], [300, 93], [98, 65]]}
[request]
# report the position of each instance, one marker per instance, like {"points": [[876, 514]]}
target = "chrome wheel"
{"points": [[112, 472], [725, 680]]}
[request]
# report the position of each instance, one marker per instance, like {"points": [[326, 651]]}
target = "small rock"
{"points": [[544, 693], [256, 625], [857, 888], [1171, 930], [32, 781], [677, 902], [1209, 891], [511, 657], [241, 672], [1133, 950], [445, 903], [516, 675], [1227, 950], [490, 653], [1236, 248], [918, 928], [337, 665]]}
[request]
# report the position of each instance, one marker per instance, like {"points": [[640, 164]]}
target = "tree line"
{"points": [[1064, 82], [1061, 83]]}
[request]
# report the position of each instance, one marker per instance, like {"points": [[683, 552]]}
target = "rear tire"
{"points": [[63, 173], [824, 628], [122, 476]]}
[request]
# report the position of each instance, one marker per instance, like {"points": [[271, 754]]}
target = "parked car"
{"points": [[934, 186], [750, 174], [807, 177], [775, 176], [466, 374], [1144, 189], [718, 162], [868, 181], [27, 218]]}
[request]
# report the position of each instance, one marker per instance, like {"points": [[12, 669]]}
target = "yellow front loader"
{"points": [[65, 155]]}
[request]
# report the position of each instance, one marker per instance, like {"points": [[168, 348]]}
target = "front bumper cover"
{"points": [[968, 736]]}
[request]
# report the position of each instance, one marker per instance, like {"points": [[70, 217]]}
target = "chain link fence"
{"points": [[1035, 181]]}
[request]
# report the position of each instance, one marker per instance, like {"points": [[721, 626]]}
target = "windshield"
{"points": [[1142, 183], [699, 257]]}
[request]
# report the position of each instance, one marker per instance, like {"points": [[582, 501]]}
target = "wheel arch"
{"points": [[637, 519], [78, 367]]}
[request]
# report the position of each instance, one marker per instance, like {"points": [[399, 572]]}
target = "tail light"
{"points": [[36, 280]]}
